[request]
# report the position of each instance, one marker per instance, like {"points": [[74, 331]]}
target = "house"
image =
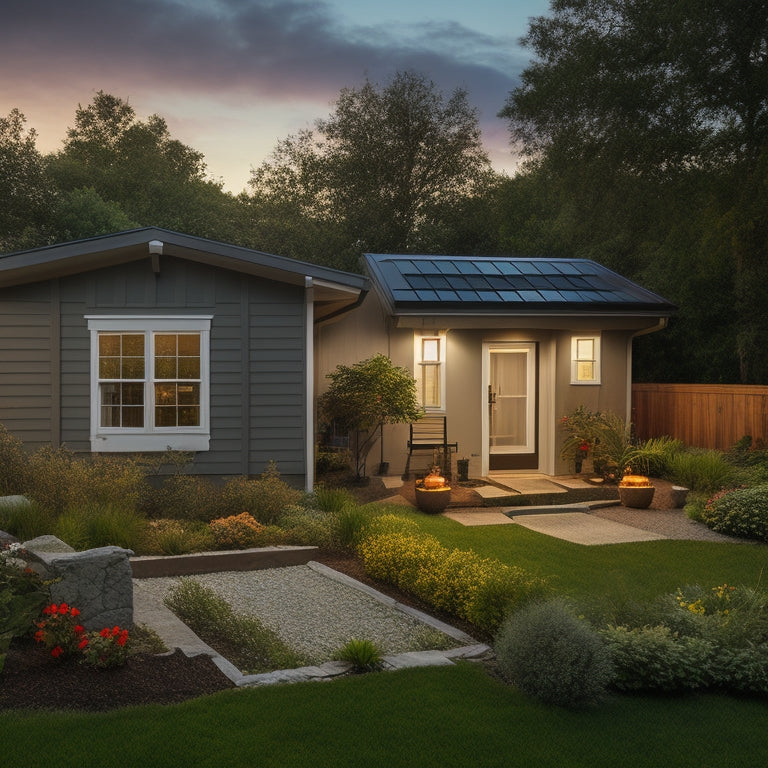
{"points": [[501, 348], [145, 340]]}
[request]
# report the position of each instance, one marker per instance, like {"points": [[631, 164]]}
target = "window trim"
{"points": [[595, 339], [418, 366], [150, 438]]}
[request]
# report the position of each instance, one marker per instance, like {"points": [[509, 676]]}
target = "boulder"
{"points": [[99, 582]]}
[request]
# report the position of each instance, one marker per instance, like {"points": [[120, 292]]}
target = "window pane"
{"points": [[430, 350], [165, 367], [165, 417], [189, 394], [165, 345], [189, 345], [133, 416], [110, 416], [109, 345], [133, 394], [109, 367], [430, 386], [189, 416], [189, 367], [585, 371], [165, 394], [132, 368], [133, 344], [585, 349]]}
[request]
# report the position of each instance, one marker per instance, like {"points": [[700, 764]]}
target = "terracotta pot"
{"points": [[637, 497], [433, 501]]}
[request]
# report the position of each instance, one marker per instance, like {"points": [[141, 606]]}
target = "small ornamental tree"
{"points": [[365, 396]]}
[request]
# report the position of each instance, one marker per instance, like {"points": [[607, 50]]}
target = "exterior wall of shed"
{"points": [[366, 331], [257, 358]]}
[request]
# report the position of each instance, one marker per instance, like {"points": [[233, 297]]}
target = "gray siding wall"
{"points": [[257, 357], [28, 363]]}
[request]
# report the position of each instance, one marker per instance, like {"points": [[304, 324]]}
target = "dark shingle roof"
{"points": [[507, 285]]}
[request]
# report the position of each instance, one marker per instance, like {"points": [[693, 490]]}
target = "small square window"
{"points": [[585, 360]]}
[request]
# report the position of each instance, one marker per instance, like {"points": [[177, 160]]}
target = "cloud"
{"points": [[280, 50]]}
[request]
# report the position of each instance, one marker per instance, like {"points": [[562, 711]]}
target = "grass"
{"points": [[456, 716]]}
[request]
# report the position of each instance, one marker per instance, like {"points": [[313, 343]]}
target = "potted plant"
{"points": [[433, 493], [636, 491]]}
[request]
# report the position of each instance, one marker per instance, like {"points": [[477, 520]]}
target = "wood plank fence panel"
{"points": [[701, 415]]}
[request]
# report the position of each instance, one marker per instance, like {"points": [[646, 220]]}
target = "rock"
{"points": [[7, 538], [10, 503], [99, 582]]}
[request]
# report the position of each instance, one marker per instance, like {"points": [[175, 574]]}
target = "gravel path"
{"points": [[313, 613]]}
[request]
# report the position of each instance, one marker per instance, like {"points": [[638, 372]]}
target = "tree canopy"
{"points": [[385, 171], [646, 126]]}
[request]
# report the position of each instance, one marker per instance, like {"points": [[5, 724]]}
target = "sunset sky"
{"points": [[233, 77]]}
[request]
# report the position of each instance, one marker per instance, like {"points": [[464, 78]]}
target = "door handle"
{"points": [[491, 396]]}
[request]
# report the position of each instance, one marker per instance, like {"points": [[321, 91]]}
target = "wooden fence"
{"points": [[701, 415]]}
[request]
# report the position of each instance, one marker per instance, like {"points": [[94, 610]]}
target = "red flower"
{"points": [[49, 609], [63, 609], [584, 446], [122, 640], [83, 643], [74, 612], [40, 636], [79, 629], [105, 632], [115, 631], [57, 651]]}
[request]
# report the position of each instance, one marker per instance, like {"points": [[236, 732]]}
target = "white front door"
{"points": [[509, 425]]}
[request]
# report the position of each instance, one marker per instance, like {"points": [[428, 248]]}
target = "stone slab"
{"points": [[581, 528]]}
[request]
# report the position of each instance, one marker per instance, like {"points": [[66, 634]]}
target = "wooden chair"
{"points": [[430, 435]]}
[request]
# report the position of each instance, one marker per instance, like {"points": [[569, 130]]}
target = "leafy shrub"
{"points": [[266, 498], [349, 523], [694, 639], [706, 471], [654, 658], [332, 461], [244, 640], [177, 537], [743, 512], [183, 497], [554, 656], [26, 521], [101, 525], [480, 590], [331, 500], [14, 464], [309, 527], [362, 654], [236, 532]]}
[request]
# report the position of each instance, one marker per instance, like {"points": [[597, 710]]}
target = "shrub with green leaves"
{"points": [[101, 525], [266, 498], [177, 537], [700, 470], [743, 512], [551, 654], [183, 497], [363, 655], [480, 590], [308, 527], [14, 464], [237, 532]]}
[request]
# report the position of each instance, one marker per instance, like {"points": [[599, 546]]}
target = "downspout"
{"points": [[309, 383], [660, 326]]}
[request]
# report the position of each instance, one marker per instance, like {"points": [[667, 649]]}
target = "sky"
{"points": [[234, 77]]}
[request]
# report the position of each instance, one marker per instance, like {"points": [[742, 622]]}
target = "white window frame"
{"points": [[150, 438], [419, 364], [578, 359]]}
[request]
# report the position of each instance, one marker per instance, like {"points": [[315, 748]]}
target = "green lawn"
{"points": [[441, 717], [456, 716]]}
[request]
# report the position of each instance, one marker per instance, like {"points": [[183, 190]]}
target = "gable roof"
{"points": [[507, 286], [335, 289]]}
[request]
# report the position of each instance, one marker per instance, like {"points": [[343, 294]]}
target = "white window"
{"points": [[149, 383], [585, 360], [429, 365]]}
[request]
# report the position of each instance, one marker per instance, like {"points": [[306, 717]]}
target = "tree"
{"points": [[643, 111], [155, 179], [365, 396], [384, 171], [25, 189]]}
